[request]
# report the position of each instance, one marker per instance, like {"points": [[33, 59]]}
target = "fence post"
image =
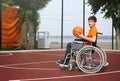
{"points": [[62, 26], [0, 25], [84, 16], [112, 36]]}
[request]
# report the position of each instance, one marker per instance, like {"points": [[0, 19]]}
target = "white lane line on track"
{"points": [[30, 53], [22, 68], [10, 66], [39, 52], [33, 50], [6, 54], [46, 54], [6, 65], [63, 77]]}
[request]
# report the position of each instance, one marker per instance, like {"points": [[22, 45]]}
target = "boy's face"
{"points": [[91, 23]]}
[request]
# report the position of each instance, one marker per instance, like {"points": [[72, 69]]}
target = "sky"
{"points": [[50, 18]]}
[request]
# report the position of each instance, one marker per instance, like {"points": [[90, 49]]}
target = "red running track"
{"points": [[41, 66]]}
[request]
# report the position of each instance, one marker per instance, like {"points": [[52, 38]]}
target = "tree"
{"points": [[111, 8], [28, 19]]}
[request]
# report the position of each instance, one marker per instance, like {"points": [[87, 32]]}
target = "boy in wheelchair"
{"points": [[91, 37]]}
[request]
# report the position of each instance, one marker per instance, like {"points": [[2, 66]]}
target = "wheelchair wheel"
{"points": [[104, 54], [90, 59]]}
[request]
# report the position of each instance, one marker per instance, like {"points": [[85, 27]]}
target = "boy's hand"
{"points": [[80, 36]]}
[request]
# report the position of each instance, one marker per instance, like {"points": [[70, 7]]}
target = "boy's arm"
{"points": [[93, 39]]}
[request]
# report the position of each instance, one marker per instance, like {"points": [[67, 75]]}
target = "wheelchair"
{"points": [[87, 58]]}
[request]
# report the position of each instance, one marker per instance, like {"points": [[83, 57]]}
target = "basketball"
{"points": [[77, 30]]}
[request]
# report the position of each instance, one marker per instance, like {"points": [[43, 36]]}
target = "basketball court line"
{"points": [[7, 65], [49, 50], [32, 50], [6, 54], [23, 68], [11, 66], [65, 77], [33, 53]]}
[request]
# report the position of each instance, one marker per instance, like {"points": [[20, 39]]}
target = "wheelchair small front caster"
{"points": [[70, 68]]}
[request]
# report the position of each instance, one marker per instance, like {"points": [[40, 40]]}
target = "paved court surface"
{"points": [[41, 66]]}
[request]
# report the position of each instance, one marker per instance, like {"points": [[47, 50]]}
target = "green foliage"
{"points": [[9, 2], [111, 8], [3, 7]]}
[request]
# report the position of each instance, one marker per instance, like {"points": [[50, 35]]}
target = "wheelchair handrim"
{"points": [[101, 57]]}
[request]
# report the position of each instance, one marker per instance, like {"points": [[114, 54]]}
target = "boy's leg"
{"points": [[67, 56], [68, 49]]}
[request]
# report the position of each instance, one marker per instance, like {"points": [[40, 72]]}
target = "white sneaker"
{"points": [[106, 64], [60, 62], [63, 65]]}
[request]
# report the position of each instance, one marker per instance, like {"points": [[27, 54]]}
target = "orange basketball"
{"points": [[77, 30]]}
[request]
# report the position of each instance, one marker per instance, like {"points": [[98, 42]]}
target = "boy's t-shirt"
{"points": [[92, 32]]}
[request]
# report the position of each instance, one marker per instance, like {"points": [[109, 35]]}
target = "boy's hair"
{"points": [[92, 18]]}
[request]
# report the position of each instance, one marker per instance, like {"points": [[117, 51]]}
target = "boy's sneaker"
{"points": [[61, 63], [106, 64]]}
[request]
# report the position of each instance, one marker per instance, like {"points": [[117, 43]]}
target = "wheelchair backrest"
{"points": [[95, 43]]}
